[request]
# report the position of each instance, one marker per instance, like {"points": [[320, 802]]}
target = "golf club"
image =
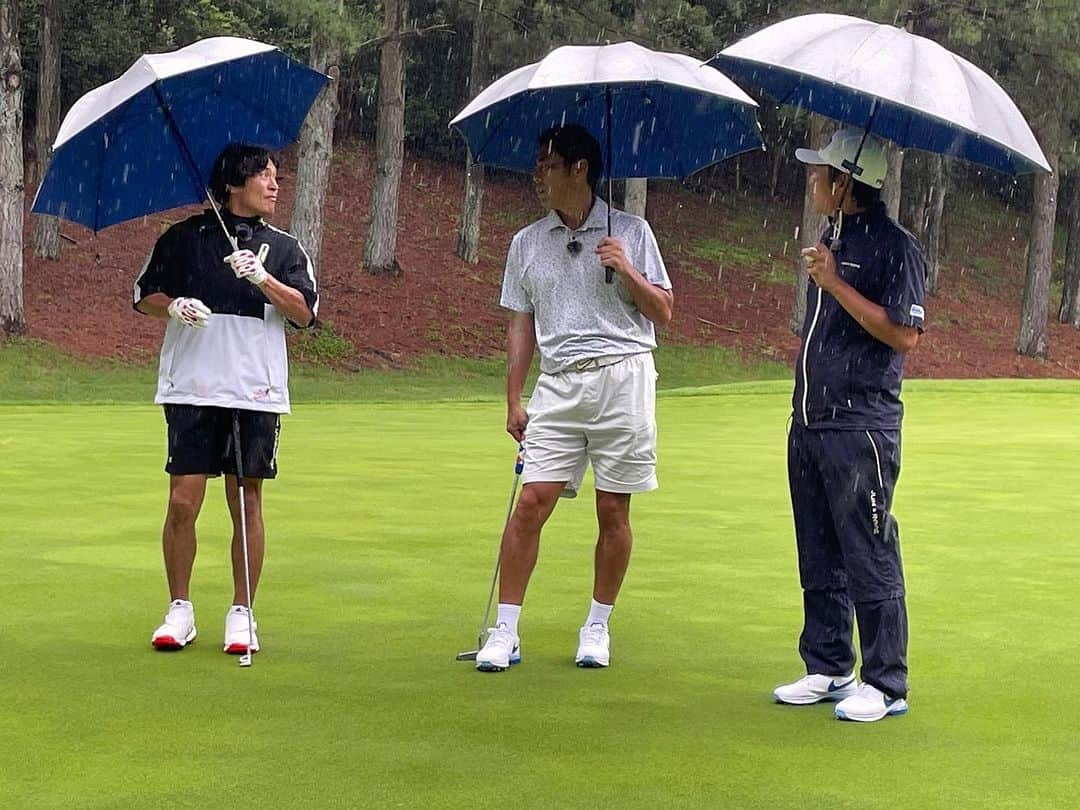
{"points": [[245, 659], [519, 465]]}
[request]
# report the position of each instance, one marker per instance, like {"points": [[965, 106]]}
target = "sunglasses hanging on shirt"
{"points": [[573, 247]]}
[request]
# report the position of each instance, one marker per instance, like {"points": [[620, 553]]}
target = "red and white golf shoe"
{"points": [[178, 630]]}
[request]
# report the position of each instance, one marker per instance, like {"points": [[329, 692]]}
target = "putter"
{"points": [[245, 659], [519, 465]]}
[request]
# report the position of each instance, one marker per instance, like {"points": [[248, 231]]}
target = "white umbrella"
{"points": [[900, 86], [655, 114], [147, 141]]}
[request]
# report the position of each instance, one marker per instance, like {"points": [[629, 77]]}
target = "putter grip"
{"points": [[609, 275], [519, 462]]}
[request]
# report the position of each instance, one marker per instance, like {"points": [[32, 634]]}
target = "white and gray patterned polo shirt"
{"points": [[577, 315]]}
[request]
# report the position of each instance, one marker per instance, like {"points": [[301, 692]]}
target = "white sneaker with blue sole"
{"points": [[816, 688], [869, 704], [501, 650], [594, 646]]}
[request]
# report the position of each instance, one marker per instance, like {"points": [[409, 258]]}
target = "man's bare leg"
{"points": [[613, 545], [521, 539], [256, 536], [186, 494]]}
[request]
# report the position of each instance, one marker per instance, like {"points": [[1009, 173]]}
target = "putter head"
{"points": [[468, 655], [245, 660]]}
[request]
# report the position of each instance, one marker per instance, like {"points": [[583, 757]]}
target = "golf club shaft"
{"points": [[519, 464], [243, 527]]}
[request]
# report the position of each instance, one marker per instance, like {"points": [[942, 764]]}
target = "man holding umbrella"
{"points": [[864, 313], [224, 356], [594, 399]]}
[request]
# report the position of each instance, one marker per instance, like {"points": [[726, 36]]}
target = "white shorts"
{"points": [[606, 416]]}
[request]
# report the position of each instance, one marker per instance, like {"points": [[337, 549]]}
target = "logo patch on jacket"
{"points": [[917, 311]]}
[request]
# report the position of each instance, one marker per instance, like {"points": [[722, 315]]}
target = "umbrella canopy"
{"points": [[668, 117], [147, 141], [907, 88]]}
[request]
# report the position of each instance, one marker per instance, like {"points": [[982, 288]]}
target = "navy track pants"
{"points": [[842, 484]]}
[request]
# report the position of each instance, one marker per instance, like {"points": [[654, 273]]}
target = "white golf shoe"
{"points": [[869, 704], [501, 650], [594, 646], [236, 631], [815, 689], [178, 630]]}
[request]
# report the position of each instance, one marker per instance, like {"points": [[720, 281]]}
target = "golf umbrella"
{"points": [[903, 87], [147, 141], [655, 114]]}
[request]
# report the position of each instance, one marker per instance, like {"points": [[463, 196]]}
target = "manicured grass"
{"points": [[32, 371], [382, 533]]}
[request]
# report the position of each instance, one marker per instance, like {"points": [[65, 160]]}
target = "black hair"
{"points": [[865, 196], [236, 163], [572, 142]]}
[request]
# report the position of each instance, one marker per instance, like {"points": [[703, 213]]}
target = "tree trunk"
{"points": [[939, 182], [12, 316], [890, 192], [468, 242], [316, 148], [636, 196], [916, 191], [381, 241], [47, 229], [1070, 292], [1032, 340], [810, 230]]}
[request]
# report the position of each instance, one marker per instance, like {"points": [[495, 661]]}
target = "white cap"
{"points": [[840, 154]]}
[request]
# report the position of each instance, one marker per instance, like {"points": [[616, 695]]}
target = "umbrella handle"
{"points": [[217, 213], [609, 273], [192, 167]]}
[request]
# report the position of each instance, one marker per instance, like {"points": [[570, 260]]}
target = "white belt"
{"points": [[591, 363]]}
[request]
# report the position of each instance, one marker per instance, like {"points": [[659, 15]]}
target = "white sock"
{"points": [[508, 615], [599, 613]]}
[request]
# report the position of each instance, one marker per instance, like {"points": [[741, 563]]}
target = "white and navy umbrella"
{"points": [[655, 114], [903, 87], [147, 141]]}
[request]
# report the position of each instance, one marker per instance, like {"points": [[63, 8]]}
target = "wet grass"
{"points": [[33, 371], [382, 531]]}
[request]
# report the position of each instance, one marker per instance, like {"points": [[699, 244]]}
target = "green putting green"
{"points": [[382, 533]]}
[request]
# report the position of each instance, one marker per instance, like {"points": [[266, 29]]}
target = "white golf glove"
{"points": [[190, 312], [247, 266]]}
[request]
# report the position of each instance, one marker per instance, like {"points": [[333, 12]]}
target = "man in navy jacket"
{"points": [[865, 311]]}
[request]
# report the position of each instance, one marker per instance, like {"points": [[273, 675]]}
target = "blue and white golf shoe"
{"points": [[869, 704], [816, 688], [501, 650]]}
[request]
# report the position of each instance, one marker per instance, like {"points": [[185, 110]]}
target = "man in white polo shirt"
{"points": [[594, 401]]}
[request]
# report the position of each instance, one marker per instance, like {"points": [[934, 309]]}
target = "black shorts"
{"points": [[200, 441]]}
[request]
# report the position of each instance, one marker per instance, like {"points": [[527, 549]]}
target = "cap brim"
{"points": [[810, 156]]}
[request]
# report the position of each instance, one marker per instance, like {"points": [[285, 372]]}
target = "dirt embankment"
{"points": [[443, 305]]}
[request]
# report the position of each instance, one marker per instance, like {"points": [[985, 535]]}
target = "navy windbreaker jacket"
{"points": [[846, 379]]}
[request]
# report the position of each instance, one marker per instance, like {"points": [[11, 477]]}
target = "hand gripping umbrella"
{"points": [[655, 114]]}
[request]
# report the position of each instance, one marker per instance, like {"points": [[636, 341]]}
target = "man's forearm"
{"points": [[289, 301], [156, 305], [653, 302], [520, 347], [874, 319]]}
